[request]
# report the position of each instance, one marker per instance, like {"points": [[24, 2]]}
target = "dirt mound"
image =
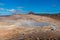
{"points": [[29, 27]]}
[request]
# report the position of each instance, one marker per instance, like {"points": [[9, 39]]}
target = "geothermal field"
{"points": [[29, 27]]}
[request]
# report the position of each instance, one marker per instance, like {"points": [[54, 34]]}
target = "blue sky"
{"points": [[24, 6]]}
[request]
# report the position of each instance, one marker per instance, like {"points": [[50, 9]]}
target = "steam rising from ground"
{"points": [[28, 23], [31, 23]]}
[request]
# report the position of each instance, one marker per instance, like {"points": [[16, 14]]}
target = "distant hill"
{"points": [[55, 16], [4, 15]]}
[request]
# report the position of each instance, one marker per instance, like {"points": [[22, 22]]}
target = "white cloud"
{"points": [[1, 8], [19, 10], [15, 11], [12, 10]]}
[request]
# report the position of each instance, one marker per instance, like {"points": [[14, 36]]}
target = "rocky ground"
{"points": [[29, 27]]}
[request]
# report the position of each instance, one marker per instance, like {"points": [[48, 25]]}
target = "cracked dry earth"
{"points": [[29, 27]]}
